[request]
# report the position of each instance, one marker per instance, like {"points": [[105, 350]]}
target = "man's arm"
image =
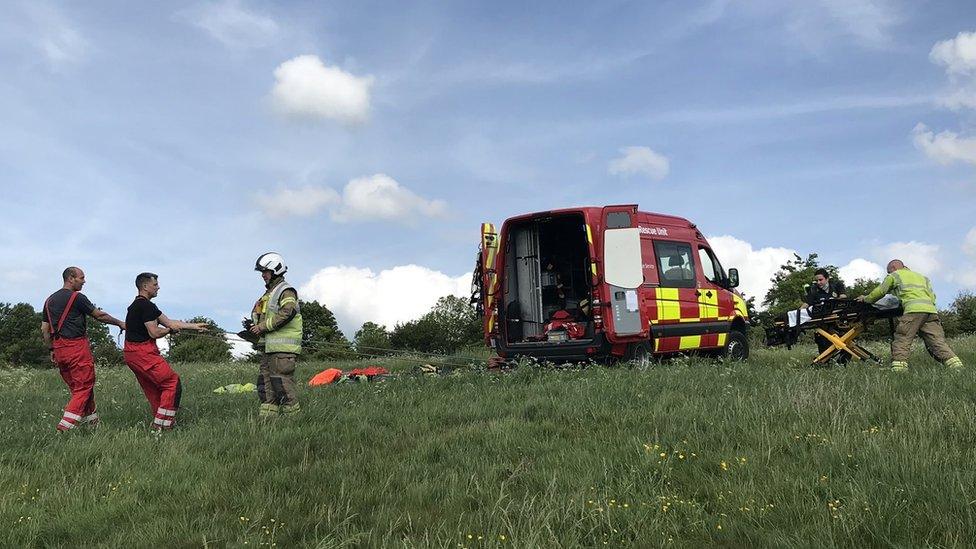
{"points": [[177, 325], [880, 291], [46, 334], [106, 318], [288, 308]]}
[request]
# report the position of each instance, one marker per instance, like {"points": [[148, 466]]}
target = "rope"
{"points": [[447, 360]]}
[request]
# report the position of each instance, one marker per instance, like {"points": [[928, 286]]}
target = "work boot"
{"points": [[268, 411], [291, 409], [90, 421], [899, 366], [954, 363]]}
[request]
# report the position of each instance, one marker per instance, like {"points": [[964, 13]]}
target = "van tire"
{"points": [[737, 347], [640, 354]]}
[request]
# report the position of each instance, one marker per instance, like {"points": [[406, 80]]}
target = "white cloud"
{"points": [[969, 243], [381, 197], [946, 147], [958, 54], [232, 24], [917, 256], [869, 21], [861, 269], [56, 37], [756, 267], [818, 24], [375, 197], [306, 88], [399, 294], [238, 348], [640, 161], [301, 202]]}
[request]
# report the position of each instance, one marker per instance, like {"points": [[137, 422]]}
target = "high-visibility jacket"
{"points": [[288, 337], [913, 289]]}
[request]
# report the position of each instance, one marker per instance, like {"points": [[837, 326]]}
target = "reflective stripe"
{"points": [[914, 301], [92, 417], [165, 412], [69, 415], [283, 340], [163, 422], [66, 424], [923, 286]]}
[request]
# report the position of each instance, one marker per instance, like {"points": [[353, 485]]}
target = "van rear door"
{"points": [[623, 270]]}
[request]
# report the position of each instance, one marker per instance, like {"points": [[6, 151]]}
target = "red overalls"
{"points": [[159, 382], [77, 365]]}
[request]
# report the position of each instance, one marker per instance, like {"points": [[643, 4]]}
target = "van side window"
{"points": [[618, 220], [710, 266], [676, 267]]}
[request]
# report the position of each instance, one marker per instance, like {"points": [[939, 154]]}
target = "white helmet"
{"points": [[271, 261]]}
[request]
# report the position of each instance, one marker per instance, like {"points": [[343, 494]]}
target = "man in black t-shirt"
{"points": [[146, 323], [824, 288], [66, 334]]}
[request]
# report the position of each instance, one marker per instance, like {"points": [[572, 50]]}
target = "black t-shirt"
{"points": [[138, 314], [816, 294], [74, 324]]}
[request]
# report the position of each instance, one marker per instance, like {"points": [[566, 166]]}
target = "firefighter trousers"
{"points": [[926, 325], [276, 380], [159, 382], [77, 367]]}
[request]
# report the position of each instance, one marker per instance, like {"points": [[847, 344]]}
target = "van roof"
{"points": [[647, 217]]}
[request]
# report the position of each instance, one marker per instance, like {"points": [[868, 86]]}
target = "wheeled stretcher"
{"points": [[839, 321]]}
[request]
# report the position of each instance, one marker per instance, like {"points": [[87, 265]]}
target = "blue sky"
{"points": [[366, 141]]}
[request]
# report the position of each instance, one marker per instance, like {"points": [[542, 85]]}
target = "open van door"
{"points": [[485, 283], [623, 270]]}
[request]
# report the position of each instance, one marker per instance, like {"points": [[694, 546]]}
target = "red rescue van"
{"points": [[600, 282]]}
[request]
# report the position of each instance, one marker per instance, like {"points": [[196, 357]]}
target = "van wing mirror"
{"points": [[733, 277], [622, 264]]}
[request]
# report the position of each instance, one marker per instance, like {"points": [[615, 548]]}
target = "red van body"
{"points": [[598, 282]]}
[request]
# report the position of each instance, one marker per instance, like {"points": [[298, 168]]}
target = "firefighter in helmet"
{"points": [[276, 321]]}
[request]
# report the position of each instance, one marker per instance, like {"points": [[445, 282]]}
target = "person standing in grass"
{"points": [[276, 320], [146, 323], [65, 333], [921, 316]]}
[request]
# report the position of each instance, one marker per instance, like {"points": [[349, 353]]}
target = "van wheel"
{"points": [[640, 354], [737, 348]]}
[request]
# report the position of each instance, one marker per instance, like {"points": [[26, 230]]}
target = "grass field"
{"points": [[688, 453]]}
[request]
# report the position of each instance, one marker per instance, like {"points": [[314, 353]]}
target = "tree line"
{"points": [[450, 325]]}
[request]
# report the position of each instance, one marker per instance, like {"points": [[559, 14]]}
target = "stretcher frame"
{"points": [[840, 322]]}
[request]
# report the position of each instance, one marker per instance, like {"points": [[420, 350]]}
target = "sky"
{"points": [[366, 141]]}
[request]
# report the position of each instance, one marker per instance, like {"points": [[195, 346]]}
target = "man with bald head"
{"points": [[66, 334], [921, 316]]}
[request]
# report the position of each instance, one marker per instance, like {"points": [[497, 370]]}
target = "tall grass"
{"points": [[686, 453]]}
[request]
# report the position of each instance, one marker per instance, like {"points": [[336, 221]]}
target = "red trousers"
{"points": [[159, 382], [74, 359]]}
